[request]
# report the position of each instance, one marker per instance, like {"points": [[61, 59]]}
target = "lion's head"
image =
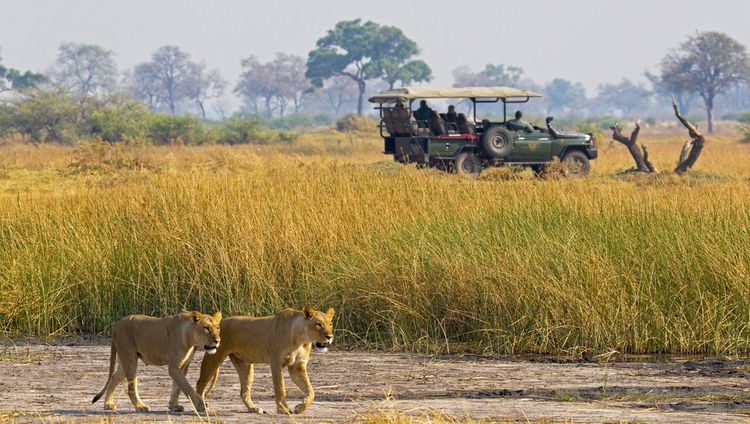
{"points": [[319, 327], [205, 330]]}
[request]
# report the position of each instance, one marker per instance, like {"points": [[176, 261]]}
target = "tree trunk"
{"points": [[362, 86], [202, 108], [640, 155], [693, 147], [710, 114]]}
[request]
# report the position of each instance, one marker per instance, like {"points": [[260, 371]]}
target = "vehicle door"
{"points": [[530, 147]]}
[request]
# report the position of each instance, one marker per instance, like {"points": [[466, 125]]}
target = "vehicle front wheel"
{"points": [[468, 164], [575, 164]]}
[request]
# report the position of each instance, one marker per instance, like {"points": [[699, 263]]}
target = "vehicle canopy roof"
{"points": [[411, 93]]}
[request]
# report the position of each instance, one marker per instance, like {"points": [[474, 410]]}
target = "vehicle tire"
{"points": [[575, 164], [468, 164], [497, 141]]}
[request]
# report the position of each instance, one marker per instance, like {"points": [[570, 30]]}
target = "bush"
{"points": [[745, 130], [295, 121], [44, 115], [355, 123], [743, 117], [128, 120], [240, 128], [172, 129]]}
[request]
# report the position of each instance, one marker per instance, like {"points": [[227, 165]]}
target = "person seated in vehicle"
{"points": [[424, 113], [451, 116], [519, 124], [437, 124], [464, 126]]}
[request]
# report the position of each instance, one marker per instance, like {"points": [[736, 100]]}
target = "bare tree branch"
{"points": [[693, 147]]}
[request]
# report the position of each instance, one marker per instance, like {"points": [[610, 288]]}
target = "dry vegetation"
{"points": [[413, 259]]}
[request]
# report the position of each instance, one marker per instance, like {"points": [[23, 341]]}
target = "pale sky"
{"points": [[591, 41]]}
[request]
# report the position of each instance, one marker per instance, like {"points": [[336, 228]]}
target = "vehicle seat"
{"points": [[389, 121], [464, 126], [437, 125]]}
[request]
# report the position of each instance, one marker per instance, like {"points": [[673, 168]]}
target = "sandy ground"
{"points": [[57, 382]]}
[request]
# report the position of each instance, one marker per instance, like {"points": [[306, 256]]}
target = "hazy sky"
{"points": [[591, 41]]}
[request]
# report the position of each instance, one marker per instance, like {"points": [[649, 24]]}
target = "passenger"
{"points": [[424, 113], [464, 126], [437, 124], [451, 115], [519, 124]]}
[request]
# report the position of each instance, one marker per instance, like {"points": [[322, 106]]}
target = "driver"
{"points": [[519, 124]]}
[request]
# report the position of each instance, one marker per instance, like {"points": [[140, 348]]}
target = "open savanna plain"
{"points": [[414, 260]]}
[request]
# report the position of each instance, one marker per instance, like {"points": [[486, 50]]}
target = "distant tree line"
{"points": [[84, 93]]}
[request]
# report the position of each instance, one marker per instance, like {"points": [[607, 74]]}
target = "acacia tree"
{"points": [[364, 51], [13, 79], [165, 80], [275, 83], [204, 85], [708, 63], [86, 69], [563, 95], [625, 97], [490, 76]]}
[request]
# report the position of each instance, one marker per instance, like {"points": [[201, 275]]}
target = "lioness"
{"points": [[159, 341], [282, 340]]}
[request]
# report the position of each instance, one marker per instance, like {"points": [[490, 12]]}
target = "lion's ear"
{"points": [[195, 316], [217, 316], [330, 312], [308, 312]]}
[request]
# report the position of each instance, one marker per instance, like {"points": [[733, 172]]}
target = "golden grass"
{"points": [[412, 259]]}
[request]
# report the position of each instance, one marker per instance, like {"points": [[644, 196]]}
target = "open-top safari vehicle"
{"points": [[467, 145]]}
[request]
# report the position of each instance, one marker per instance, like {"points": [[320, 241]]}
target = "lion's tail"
{"points": [[112, 358]]}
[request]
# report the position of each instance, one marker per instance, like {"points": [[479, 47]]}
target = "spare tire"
{"points": [[497, 142]]}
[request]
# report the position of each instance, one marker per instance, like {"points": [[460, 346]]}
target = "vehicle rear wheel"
{"points": [[497, 141], [575, 164], [468, 164]]}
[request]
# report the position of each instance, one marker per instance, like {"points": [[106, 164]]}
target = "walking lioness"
{"points": [[282, 340], [159, 341]]}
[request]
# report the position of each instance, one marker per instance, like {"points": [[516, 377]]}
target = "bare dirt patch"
{"points": [[57, 382]]}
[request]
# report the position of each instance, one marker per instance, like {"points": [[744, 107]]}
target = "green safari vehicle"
{"points": [[465, 145]]}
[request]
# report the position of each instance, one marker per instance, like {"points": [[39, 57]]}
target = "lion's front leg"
{"points": [[179, 379], [298, 373], [277, 373], [174, 399]]}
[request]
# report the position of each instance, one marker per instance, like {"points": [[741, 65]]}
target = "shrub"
{"points": [[355, 123], [123, 121], [44, 115], [240, 128], [171, 129]]}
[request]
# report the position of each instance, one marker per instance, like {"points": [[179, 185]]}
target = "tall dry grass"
{"points": [[411, 259]]}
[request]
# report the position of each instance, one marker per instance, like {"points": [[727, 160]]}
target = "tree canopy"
{"points": [[708, 63], [366, 51]]}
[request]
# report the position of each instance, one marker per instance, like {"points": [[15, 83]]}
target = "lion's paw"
{"points": [[142, 408], [110, 407], [176, 408], [300, 408], [256, 410]]}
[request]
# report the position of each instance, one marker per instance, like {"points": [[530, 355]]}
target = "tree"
{"points": [[338, 91], [407, 73], [13, 79], [291, 82], [491, 76], [362, 52], [708, 63], [204, 85], [563, 95], [86, 69], [625, 97], [165, 80], [257, 82]]}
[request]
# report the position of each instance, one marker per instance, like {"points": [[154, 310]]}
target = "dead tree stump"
{"points": [[639, 154], [693, 147]]}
